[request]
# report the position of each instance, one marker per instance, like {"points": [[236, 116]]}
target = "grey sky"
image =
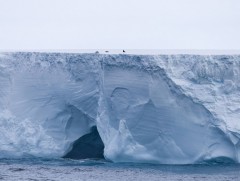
{"points": [[130, 24]]}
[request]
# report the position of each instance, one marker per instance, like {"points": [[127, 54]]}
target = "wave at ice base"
{"points": [[172, 109]]}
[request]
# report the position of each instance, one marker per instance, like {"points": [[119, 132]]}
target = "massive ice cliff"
{"points": [[170, 109]]}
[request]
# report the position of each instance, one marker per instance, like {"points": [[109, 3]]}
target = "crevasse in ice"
{"points": [[171, 109]]}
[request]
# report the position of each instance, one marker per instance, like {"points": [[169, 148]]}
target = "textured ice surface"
{"points": [[172, 109]]}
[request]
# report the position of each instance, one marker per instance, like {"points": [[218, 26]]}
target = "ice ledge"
{"points": [[132, 51]]}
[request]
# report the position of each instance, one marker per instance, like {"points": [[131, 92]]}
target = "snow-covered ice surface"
{"points": [[169, 109]]}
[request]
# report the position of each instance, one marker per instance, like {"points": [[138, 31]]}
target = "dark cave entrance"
{"points": [[87, 146]]}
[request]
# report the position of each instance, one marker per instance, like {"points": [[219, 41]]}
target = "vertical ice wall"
{"points": [[47, 102], [158, 109], [150, 119]]}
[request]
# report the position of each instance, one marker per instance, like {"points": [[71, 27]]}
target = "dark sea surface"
{"points": [[64, 169]]}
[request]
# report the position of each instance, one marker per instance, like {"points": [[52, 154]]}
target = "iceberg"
{"points": [[166, 109]]}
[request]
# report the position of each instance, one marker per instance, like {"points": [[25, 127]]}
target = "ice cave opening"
{"points": [[87, 146]]}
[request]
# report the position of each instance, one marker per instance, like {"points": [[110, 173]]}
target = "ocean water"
{"points": [[65, 169]]}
